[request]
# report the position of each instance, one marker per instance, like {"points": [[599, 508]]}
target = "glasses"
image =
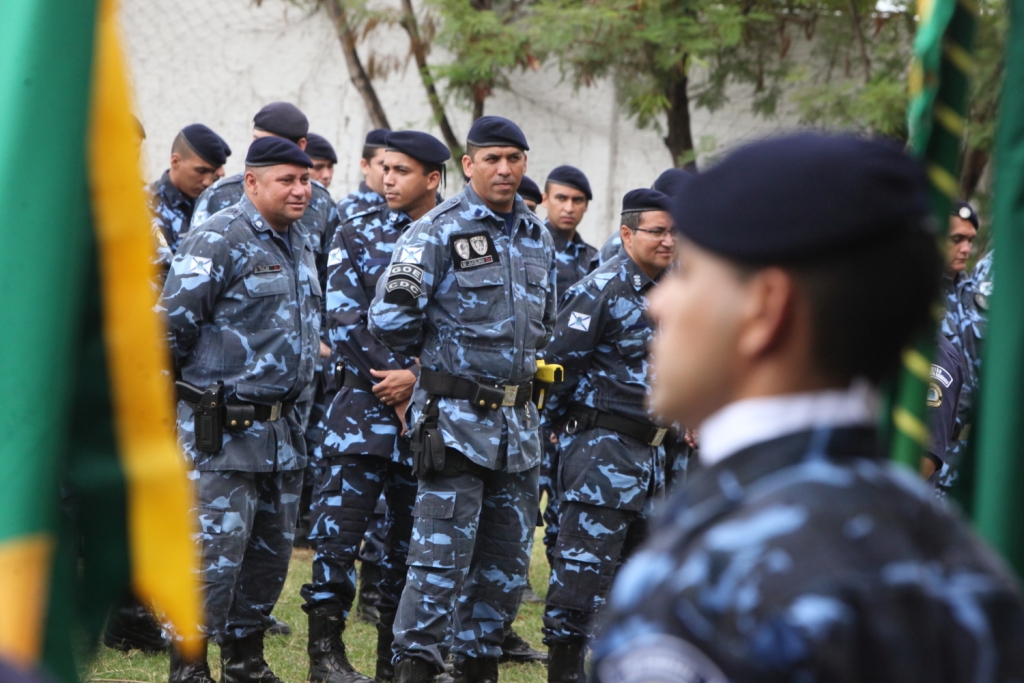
{"points": [[660, 233]]}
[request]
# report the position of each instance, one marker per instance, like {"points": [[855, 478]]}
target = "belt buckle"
{"points": [[659, 436], [275, 412], [509, 399], [572, 425]]}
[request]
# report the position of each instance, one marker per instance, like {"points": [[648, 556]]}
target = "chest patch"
{"points": [[263, 270], [473, 251]]}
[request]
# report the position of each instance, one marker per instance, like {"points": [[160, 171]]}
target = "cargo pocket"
{"points": [[267, 296], [433, 542], [578, 568], [482, 295], [224, 537]]}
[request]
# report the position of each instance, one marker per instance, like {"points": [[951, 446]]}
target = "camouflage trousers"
{"points": [[593, 543], [344, 501], [548, 480], [247, 526], [468, 561], [374, 541]]}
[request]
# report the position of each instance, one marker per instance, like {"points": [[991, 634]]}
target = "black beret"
{"points": [[271, 151], [638, 201], [571, 177], [529, 190], [800, 196], [317, 147], [207, 144], [423, 147], [375, 138], [671, 182], [283, 119], [495, 131], [224, 144], [966, 211]]}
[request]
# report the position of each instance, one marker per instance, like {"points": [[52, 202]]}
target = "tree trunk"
{"points": [[679, 139], [419, 51], [975, 162], [858, 31], [355, 67]]}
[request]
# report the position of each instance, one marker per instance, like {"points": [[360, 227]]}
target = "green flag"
{"points": [[999, 486]]}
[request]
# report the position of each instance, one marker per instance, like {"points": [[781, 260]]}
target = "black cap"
{"points": [[573, 177], [423, 147], [643, 199], [965, 211], [800, 196], [495, 131], [317, 147], [224, 144], [207, 144], [272, 151], [375, 138], [671, 182], [529, 190], [283, 119]]}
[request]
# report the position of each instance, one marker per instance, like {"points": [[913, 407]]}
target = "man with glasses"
{"points": [[612, 460]]}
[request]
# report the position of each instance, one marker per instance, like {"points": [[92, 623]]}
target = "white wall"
{"points": [[217, 62]]}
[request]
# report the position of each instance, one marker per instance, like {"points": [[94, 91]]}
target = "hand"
{"points": [[553, 438], [690, 436], [325, 350], [394, 387], [400, 410]]}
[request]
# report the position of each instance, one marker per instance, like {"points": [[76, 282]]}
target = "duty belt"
{"points": [[582, 418], [350, 379], [238, 413], [479, 394]]}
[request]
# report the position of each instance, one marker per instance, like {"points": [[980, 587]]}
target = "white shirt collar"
{"points": [[756, 420]]}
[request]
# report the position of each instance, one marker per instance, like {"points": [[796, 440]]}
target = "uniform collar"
{"points": [[745, 423], [634, 274], [520, 213], [172, 194], [558, 237], [365, 189], [399, 220], [261, 224]]}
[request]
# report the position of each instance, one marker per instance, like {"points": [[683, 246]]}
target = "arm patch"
{"points": [[403, 285]]}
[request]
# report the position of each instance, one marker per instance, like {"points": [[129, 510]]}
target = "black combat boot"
{"points": [[476, 670], [189, 671], [328, 662], [366, 605], [415, 670], [515, 649], [385, 639], [241, 661], [132, 627], [565, 663]]}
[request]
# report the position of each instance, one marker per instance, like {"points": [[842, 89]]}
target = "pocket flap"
{"points": [[488, 276], [434, 505], [266, 285], [536, 275]]}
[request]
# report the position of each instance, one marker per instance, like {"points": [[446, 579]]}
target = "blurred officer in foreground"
{"points": [[362, 454], [471, 292], [243, 310], [799, 553], [670, 182], [371, 189], [964, 326], [612, 460], [944, 389], [321, 153], [531, 194]]}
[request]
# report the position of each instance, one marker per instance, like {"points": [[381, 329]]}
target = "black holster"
{"points": [[209, 419], [427, 443]]}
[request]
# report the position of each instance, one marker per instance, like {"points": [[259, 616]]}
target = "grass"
{"points": [[287, 654]]}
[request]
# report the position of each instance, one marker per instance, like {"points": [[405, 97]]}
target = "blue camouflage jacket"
{"points": [[243, 308], [171, 210], [358, 422], [360, 201], [611, 247], [601, 340], [573, 258], [472, 301]]}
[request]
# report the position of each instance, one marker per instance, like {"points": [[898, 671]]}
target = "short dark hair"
{"points": [[430, 168], [369, 152], [181, 147], [869, 302], [632, 219], [471, 150]]}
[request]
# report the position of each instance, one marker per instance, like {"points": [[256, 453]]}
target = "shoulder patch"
{"points": [[941, 374], [472, 250], [404, 283], [660, 658], [579, 321]]}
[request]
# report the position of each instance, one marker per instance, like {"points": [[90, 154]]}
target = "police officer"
{"points": [[243, 309], [611, 457], [471, 292], [371, 188], [321, 153], [566, 198], [530, 193], [963, 325], [362, 454], [799, 553], [197, 154], [944, 389]]}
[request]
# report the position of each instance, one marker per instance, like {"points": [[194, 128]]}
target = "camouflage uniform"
{"points": [[808, 558], [982, 276], [608, 481], [361, 455], [171, 212], [611, 248], [964, 326], [243, 308], [359, 201], [481, 315]]}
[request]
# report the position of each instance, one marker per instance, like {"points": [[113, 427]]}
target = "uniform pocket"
{"points": [[633, 342], [536, 290], [433, 533], [267, 300], [579, 579], [482, 295]]}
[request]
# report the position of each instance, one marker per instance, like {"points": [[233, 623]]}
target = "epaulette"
{"points": [[366, 212]]}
